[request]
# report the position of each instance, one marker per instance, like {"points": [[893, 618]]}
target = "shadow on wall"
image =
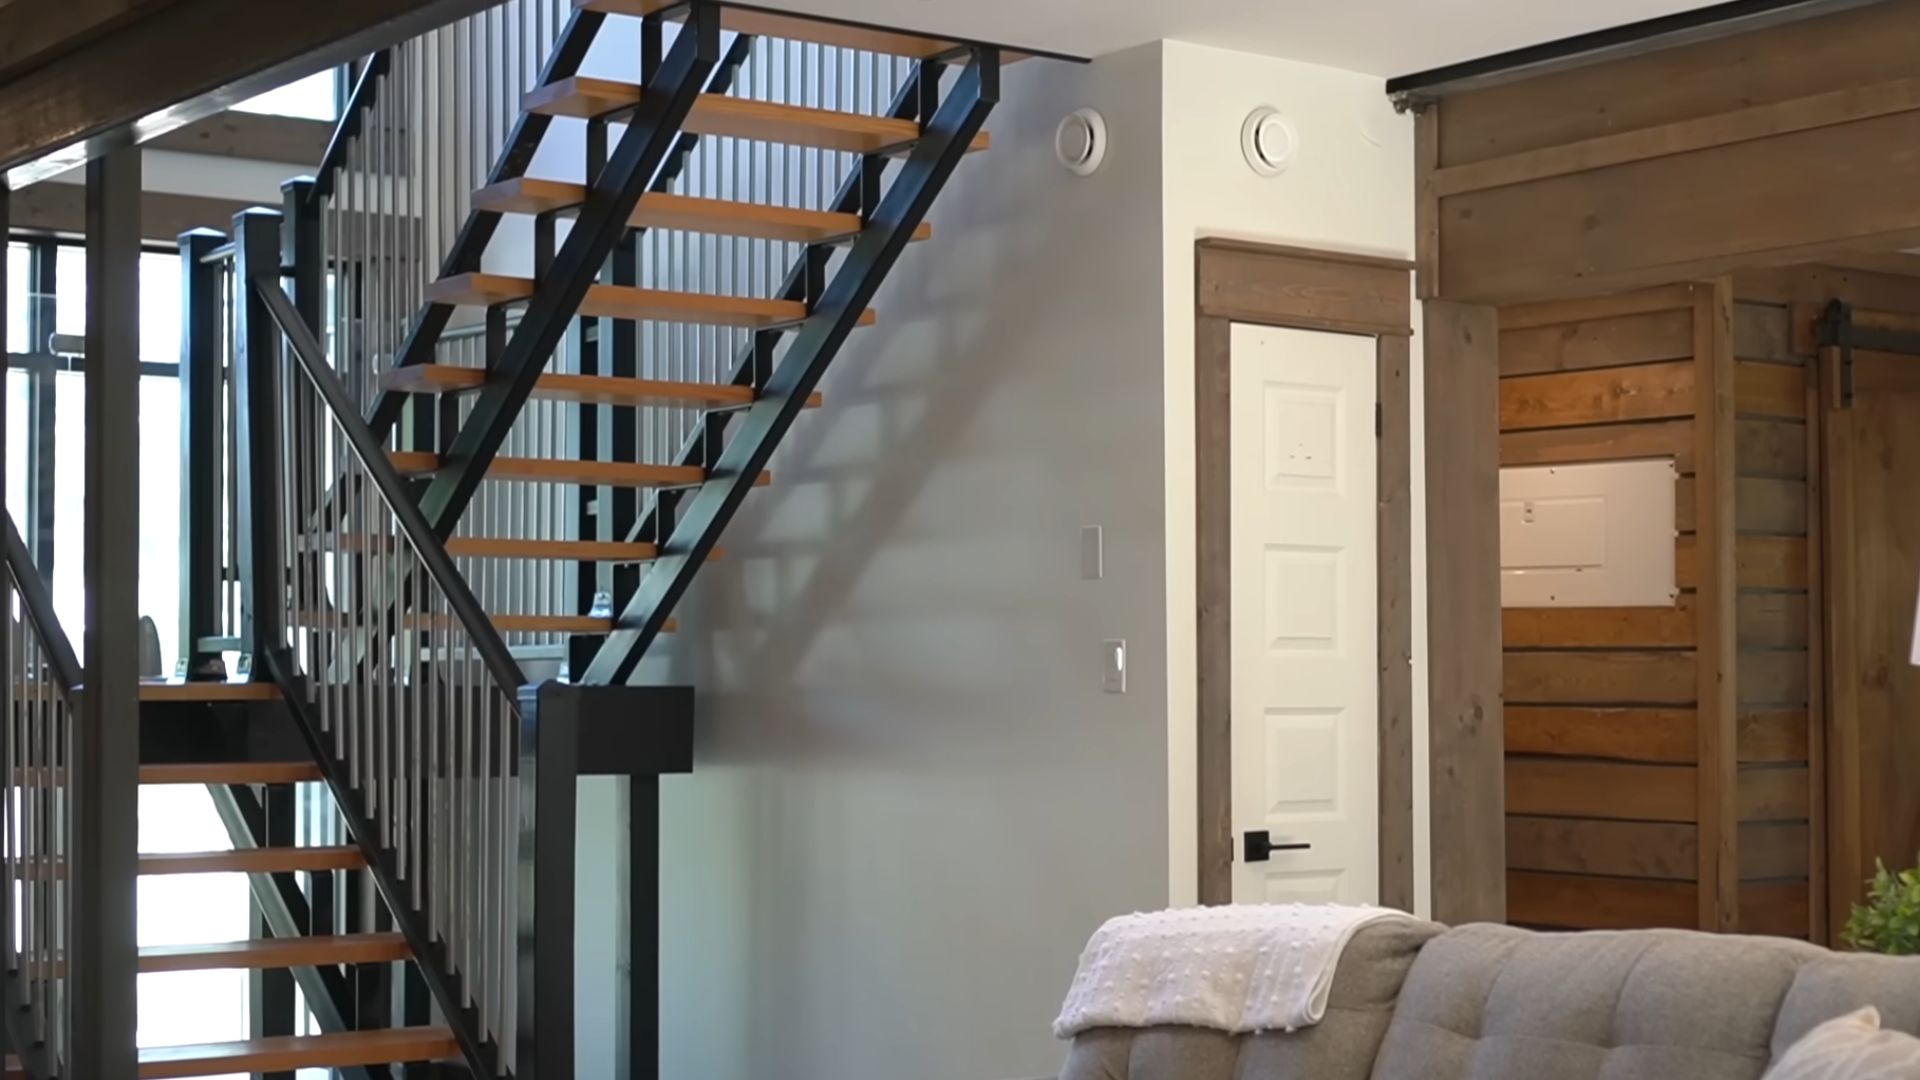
{"points": [[912, 802]]}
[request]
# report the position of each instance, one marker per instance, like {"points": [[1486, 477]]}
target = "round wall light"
{"points": [[1269, 141], [1080, 142]]}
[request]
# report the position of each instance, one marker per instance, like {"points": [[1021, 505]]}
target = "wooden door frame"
{"points": [[1302, 289]]}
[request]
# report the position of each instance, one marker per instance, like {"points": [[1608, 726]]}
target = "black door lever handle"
{"points": [[1260, 846]]}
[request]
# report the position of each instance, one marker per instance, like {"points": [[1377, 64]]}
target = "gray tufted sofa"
{"points": [[1416, 1001]]}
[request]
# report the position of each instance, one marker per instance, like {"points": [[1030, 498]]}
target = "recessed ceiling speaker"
{"points": [[1080, 142], [1269, 141]]}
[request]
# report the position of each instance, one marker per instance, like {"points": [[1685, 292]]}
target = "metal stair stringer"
{"points": [[948, 135]]}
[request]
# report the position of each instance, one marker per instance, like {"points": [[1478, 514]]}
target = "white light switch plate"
{"points": [[1113, 666]]}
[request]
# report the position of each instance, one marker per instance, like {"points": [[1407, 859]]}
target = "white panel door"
{"points": [[1305, 734]]}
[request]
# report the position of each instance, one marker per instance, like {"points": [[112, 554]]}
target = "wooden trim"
{"points": [[1394, 623], [254, 861], [1302, 289], [276, 953], [1715, 614], [1684, 136], [1845, 831], [1213, 558], [1467, 817], [1814, 723], [1360, 294], [1586, 308], [1426, 152]]}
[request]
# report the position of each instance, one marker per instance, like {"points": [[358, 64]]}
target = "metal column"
{"points": [[202, 564], [105, 738]]}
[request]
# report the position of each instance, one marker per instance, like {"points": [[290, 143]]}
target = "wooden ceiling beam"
{"points": [[177, 62]]}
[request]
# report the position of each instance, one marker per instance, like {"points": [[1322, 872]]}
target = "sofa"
{"points": [[1418, 1001]]}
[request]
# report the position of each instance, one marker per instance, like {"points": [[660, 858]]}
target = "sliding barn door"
{"points": [[1872, 471]]}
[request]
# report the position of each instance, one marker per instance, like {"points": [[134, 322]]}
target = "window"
{"points": [[316, 97], [46, 474]]}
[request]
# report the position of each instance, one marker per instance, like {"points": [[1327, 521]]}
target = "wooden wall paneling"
{"points": [[1395, 621], [1715, 614], [1610, 790], [1771, 562], [1813, 284], [1774, 850], [1686, 214], [1599, 628], [1773, 735], [1616, 732], [1774, 793], [1602, 396], [1771, 505], [1773, 677], [1772, 620], [1639, 849], [1869, 46], [1588, 308], [1845, 840], [1641, 338], [1467, 821], [1650, 677], [1778, 908], [1601, 442], [1775, 448], [1765, 388], [1583, 902], [1762, 331]]}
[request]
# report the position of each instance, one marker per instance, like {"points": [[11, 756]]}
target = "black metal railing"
{"points": [[407, 695], [38, 785]]}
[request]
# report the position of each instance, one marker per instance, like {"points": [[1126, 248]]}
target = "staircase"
{"points": [[498, 377]]}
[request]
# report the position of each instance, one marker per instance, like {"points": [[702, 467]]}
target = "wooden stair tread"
{"points": [[209, 691], [631, 302], [580, 389], [687, 213], [760, 22], [585, 97], [563, 471], [284, 1053], [276, 953], [270, 860], [238, 772]]}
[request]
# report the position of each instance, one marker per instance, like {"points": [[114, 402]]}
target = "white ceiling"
{"points": [[1380, 37]]}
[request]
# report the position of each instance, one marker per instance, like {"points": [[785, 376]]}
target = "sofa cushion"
{"points": [[1498, 1003], [1838, 983], [1851, 1047], [1360, 1004]]}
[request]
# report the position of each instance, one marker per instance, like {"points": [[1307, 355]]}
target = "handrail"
{"points": [[38, 604], [352, 118], [307, 352]]}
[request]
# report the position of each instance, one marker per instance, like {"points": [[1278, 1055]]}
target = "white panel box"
{"points": [[1597, 535]]}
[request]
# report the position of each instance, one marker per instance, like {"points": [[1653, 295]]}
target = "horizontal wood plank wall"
{"points": [[1773, 570], [1640, 169], [1602, 704]]}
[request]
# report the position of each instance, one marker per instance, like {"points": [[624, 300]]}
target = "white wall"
{"points": [[1349, 189], [912, 802]]}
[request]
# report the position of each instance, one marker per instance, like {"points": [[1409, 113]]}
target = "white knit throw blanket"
{"points": [[1245, 968]]}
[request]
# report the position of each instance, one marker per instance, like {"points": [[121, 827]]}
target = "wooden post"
{"points": [[1716, 650], [1466, 735]]}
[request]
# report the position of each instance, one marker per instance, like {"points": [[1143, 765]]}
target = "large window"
{"points": [[46, 496]]}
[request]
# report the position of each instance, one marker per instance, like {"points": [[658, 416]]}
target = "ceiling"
{"points": [[1380, 37]]}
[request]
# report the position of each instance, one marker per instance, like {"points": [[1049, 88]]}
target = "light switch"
{"points": [[1113, 662], [1093, 553]]}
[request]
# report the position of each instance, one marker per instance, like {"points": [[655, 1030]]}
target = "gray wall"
{"points": [[912, 802]]}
